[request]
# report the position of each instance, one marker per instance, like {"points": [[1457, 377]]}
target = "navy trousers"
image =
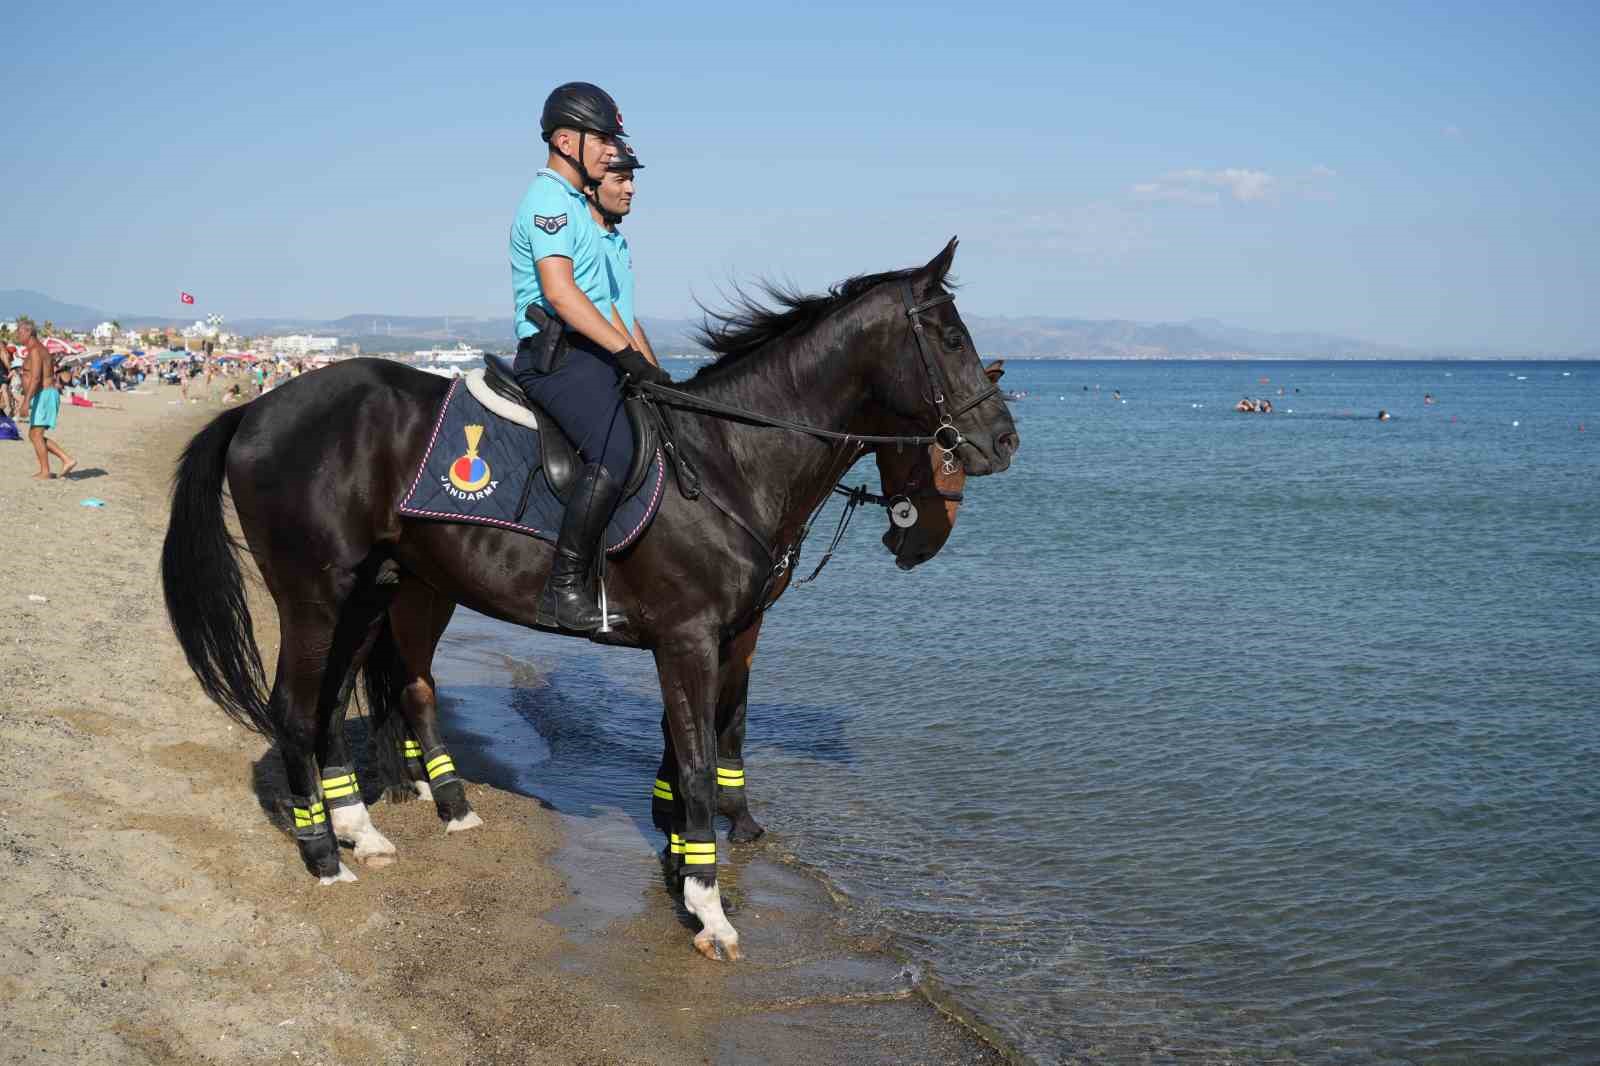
{"points": [[583, 395]]}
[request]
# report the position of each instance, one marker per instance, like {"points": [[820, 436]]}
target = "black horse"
{"points": [[922, 478], [317, 468]]}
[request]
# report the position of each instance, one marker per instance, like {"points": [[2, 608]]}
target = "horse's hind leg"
{"points": [[417, 620], [341, 792], [304, 695]]}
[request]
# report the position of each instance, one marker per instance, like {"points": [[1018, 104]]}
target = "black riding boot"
{"points": [[567, 601]]}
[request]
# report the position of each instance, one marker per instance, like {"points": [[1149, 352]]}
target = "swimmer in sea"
{"points": [[1427, 399], [1383, 416]]}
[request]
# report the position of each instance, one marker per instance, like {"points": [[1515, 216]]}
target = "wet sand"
{"points": [[153, 910]]}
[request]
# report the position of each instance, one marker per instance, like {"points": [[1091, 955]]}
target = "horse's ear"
{"points": [[995, 370], [939, 265]]}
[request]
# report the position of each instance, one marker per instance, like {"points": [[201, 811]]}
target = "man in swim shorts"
{"points": [[42, 400]]}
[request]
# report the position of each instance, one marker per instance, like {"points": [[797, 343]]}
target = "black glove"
{"points": [[637, 367]]}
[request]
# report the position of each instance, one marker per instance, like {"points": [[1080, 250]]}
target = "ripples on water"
{"points": [[1215, 735]]}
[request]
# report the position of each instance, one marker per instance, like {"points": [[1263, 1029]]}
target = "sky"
{"points": [[1418, 174]]}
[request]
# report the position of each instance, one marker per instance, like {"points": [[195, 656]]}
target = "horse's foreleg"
{"points": [[733, 698], [733, 687], [689, 690], [416, 635]]}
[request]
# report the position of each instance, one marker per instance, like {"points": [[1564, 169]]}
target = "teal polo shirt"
{"points": [[619, 261], [553, 219]]}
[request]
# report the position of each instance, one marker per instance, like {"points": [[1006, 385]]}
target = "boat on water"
{"points": [[1014, 394], [453, 371], [461, 353]]}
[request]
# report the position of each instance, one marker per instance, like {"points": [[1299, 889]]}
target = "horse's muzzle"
{"points": [[978, 460]]}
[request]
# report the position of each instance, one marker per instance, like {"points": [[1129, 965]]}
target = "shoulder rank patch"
{"points": [[551, 224]]}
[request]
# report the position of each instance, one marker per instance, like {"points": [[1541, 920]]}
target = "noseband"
{"points": [[947, 436]]}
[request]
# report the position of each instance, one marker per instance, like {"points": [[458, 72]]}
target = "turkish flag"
{"points": [[186, 298]]}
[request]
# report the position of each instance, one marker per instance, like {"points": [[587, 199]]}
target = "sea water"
{"points": [[1209, 736]]}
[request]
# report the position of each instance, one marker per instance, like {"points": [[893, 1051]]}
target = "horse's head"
{"points": [[918, 475], [934, 377]]}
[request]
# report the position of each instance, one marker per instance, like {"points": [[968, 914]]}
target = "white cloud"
{"points": [[1194, 186], [1207, 188]]}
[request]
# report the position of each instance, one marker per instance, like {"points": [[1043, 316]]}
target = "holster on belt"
{"points": [[542, 352]]}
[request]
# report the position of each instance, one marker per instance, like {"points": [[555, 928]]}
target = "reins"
{"points": [[902, 512]]}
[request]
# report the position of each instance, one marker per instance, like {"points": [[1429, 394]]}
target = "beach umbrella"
{"points": [[57, 346]]}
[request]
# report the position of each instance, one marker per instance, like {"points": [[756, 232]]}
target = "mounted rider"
{"points": [[572, 349], [610, 202]]}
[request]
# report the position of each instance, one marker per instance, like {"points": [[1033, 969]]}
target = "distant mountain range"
{"points": [[1013, 338]]}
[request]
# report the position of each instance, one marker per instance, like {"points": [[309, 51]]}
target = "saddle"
{"points": [[556, 451]]}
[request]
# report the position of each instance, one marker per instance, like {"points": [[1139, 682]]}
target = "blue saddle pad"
{"points": [[481, 468]]}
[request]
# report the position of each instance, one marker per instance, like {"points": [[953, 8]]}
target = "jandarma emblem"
{"points": [[551, 224], [470, 477]]}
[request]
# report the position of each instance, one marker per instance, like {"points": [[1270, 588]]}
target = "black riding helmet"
{"points": [[586, 108], [580, 106], [626, 160]]}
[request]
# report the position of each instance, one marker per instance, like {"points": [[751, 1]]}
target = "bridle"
{"points": [[947, 436], [902, 511]]}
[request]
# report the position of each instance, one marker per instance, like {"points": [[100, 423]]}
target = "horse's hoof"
{"points": [[344, 874], [718, 950], [424, 791], [745, 830], [470, 820], [725, 951], [372, 848]]}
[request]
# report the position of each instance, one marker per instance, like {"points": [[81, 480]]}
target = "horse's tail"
{"points": [[203, 585], [383, 678]]}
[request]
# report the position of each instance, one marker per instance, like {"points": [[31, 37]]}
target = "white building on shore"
{"points": [[303, 344]]}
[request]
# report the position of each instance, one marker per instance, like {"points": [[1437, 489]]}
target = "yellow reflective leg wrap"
{"points": [[675, 843], [699, 853], [339, 787], [661, 790], [413, 749], [441, 768], [729, 777], [310, 817]]}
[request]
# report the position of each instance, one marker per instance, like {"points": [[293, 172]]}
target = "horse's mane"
{"points": [[750, 325]]}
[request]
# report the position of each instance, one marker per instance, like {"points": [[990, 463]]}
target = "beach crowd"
{"points": [[39, 376]]}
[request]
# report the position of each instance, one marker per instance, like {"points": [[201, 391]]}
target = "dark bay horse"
{"points": [[920, 477], [317, 468], [917, 476]]}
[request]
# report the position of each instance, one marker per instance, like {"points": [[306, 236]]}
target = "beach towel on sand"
{"points": [[8, 429]]}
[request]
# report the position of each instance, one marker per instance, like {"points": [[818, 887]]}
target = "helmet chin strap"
{"points": [[584, 180]]}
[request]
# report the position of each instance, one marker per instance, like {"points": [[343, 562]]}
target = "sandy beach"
{"points": [[154, 911]]}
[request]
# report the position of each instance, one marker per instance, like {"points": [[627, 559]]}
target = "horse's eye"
{"points": [[953, 339]]}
